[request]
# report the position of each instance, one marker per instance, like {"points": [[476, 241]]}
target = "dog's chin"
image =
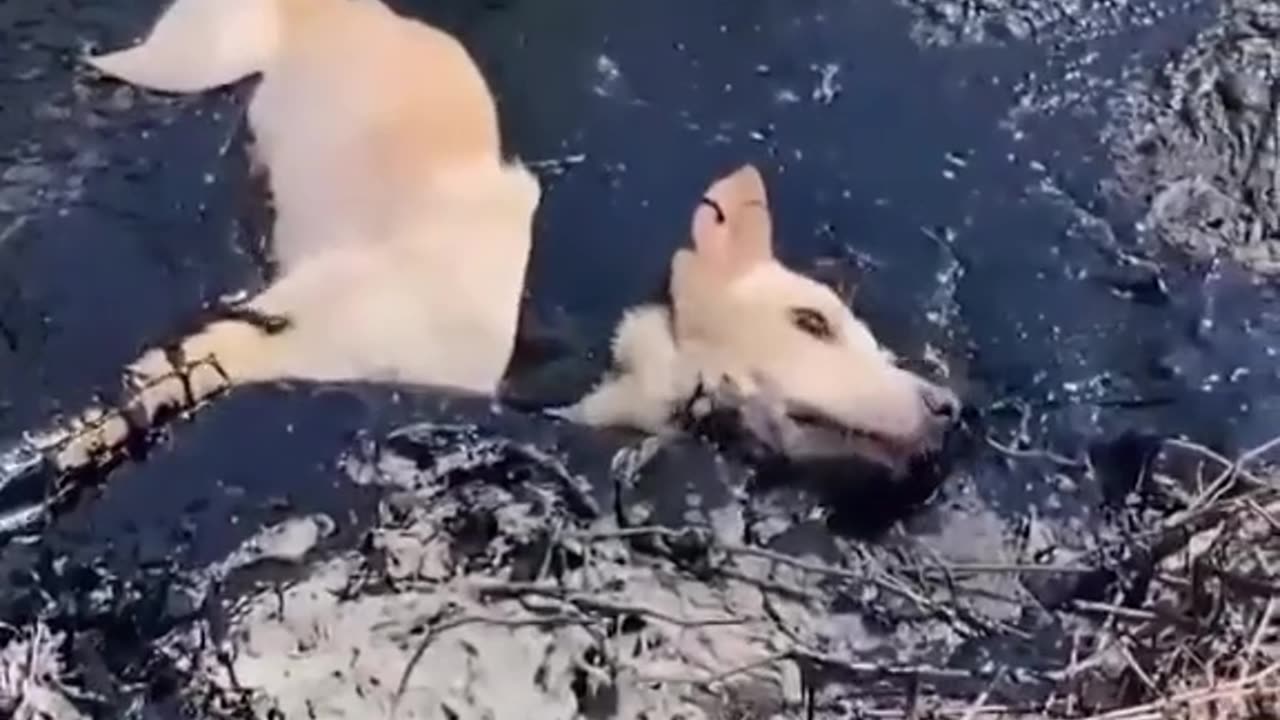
{"points": [[868, 480]]}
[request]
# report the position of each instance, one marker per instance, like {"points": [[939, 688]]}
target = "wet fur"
{"points": [[736, 325], [401, 236]]}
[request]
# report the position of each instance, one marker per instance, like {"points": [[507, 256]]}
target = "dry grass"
{"points": [[1202, 641]]}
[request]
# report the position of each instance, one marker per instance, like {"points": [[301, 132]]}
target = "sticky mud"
{"points": [[1064, 209], [1199, 150]]}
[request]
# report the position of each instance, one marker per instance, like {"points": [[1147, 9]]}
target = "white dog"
{"points": [[401, 237], [741, 322]]}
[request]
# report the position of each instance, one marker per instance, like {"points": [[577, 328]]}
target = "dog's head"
{"points": [[745, 317]]}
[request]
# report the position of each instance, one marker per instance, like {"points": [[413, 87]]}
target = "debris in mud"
{"points": [[288, 543], [1190, 632], [953, 22], [31, 675], [489, 597], [491, 585], [1200, 147]]}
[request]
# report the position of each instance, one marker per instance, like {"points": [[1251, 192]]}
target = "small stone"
{"points": [[287, 542], [947, 12], [1266, 18], [1244, 90], [182, 601]]}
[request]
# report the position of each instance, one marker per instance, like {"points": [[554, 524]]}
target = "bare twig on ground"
{"points": [[588, 602], [1248, 687], [981, 701], [435, 631], [868, 573], [717, 678], [1060, 461]]}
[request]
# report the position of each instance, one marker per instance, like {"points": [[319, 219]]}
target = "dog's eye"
{"points": [[813, 323]]}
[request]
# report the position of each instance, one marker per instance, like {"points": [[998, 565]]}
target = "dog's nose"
{"points": [[942, 403]]}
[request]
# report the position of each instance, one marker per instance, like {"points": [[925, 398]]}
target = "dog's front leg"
{"points": [[166, 381]]}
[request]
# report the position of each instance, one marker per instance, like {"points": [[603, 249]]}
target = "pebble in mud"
{"points": [[288, 542], [1245, 89]]}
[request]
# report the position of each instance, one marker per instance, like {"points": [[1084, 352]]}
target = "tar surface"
{"points": [[985, 174]]}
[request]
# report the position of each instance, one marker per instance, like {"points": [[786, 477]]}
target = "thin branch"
{"points": [[720, 677], [1060, 461], [1115, 611], [876, 576], [586, 601], [981, 701], [434, 632], [1250, 686]]}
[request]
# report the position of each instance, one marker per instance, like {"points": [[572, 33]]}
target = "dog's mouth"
{"points": [[798, 431], [823, 436]]}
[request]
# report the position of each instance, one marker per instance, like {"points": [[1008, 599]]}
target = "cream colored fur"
{"points": [[737, 317], [401, 236]]}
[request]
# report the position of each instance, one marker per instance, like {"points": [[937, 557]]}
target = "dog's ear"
{"points": [[732, 226]]}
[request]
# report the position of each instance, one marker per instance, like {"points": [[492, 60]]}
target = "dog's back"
{"points": [[401, 236], [359, 116]]}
